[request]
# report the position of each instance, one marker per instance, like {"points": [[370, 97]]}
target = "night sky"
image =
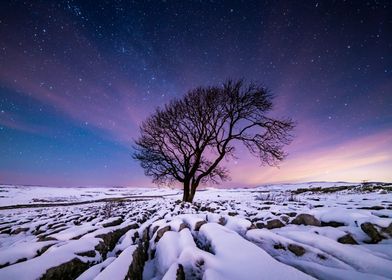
{"points": [[78, 77]]}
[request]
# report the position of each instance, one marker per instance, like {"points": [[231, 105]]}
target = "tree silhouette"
{"points": [[187, 139]]}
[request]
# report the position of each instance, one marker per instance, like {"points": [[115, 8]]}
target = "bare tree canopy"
{"points": [[187, 139]]}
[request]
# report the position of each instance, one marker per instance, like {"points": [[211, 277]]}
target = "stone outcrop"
{"points": [[388, 230], [306, 219], [296, 249], [66, 271], [161, 232], [275, 223], [19, 230], [111, 238], [199, 224], [180, 275], [372, 232], [332, 224], [113, 223], [347, 239]]}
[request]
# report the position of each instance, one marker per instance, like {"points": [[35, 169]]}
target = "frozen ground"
{"points": [[298, 231]]}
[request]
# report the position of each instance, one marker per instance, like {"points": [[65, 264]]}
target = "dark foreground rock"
{"points": [[114, 223], [66, 271], [19, 230], [372, 232], [199, 224], [388, 230], [332, 224], [296, 249], [140, 256], [110, 239], [183, 226], [180, 273], [275, 223], [161, 232], [306, 219], [347, 239]]}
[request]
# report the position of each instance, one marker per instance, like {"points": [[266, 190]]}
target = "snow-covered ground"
{"points": [[295, 231], [21, 195]]}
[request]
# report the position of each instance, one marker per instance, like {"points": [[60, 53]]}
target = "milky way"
{"points": [[78, 77]]}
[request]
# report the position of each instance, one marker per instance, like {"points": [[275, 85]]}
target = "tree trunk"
{"points": [[185, 196], [192, 193]]}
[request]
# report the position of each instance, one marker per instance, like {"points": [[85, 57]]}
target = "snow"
{"points": [[54, 256], [332, 273], [125, 241], [15, 195], [349, 217], [93, 271], [237, 224], [228, 245], [191, 220], [354, 256], [170, 246], [118, 269], [22, 250], [230, 251], [75, 231]]}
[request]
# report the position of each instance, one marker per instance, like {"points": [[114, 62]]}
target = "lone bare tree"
{"points": [[187, 139]]}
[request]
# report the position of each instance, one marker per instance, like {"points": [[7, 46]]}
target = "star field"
{"points": [[78, 77]]}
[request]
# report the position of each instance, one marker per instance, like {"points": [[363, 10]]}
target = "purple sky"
{"points": [[78, 77]]}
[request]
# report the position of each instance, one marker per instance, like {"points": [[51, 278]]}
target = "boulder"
{"points": [[268, 202], [139, 258], [222, 221], [260, 225], [43, 249], [182, 226], [6, 231], [306, 219], [66, 271], [279, 246], [377, 207], [347, 239], [19, 230], [291, 214], [252, 226], [372, 232], [4, 265], [275, 223], [199, 224], [318, 205], [296, 249], [46, 238], [114, 223], [285, 218], [180, 275], [161, 232], [90, 254], [321, 256], [154, 230], [111, 238], [332, 224], [388, 229]]}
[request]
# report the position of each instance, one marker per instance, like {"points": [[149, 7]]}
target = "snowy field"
{"points": [[297, 231]]}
